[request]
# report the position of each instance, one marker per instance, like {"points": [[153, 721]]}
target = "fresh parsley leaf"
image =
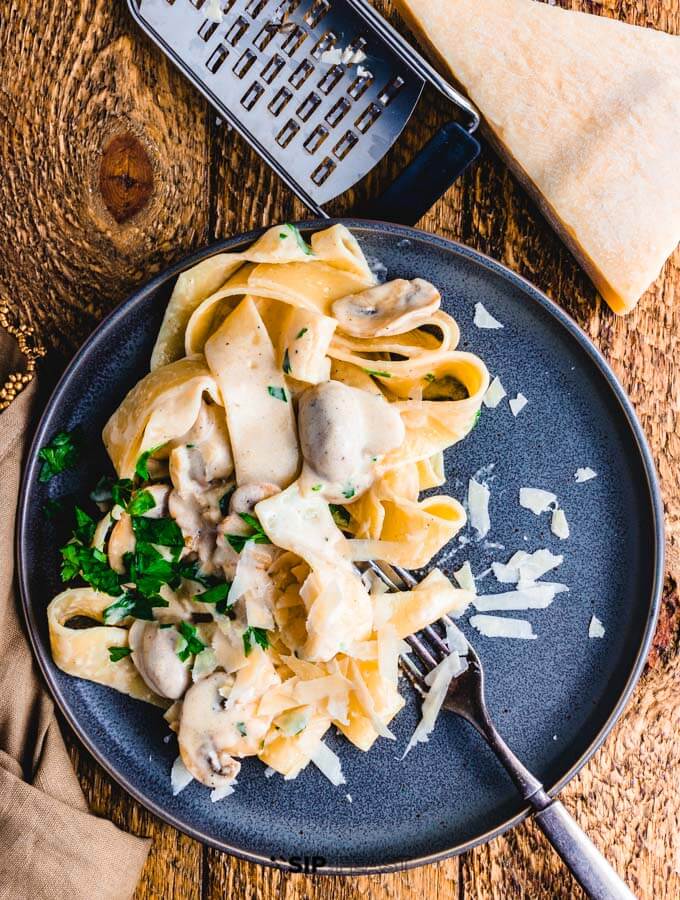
{"points": [[149, 570], [258, 635], [224, 501], [118, 653], [378, 373], [132, 604], [142, 465], [348, 492], [121, 492], [302, 244], [51, 508], [317, 487], [300, 333], [192, 643], [340, 515], [225, 608], [85, 527], [141, 502], [286, 363], [238, 541], [278, 392], [164, 531], [61, 453], [214, 594], [241, 728], [476, 418], [430, 376]]}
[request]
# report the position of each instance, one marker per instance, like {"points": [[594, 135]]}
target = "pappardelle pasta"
{"points": [[294, 412]]}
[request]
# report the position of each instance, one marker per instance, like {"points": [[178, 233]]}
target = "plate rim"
{"points": [[528, 289]]}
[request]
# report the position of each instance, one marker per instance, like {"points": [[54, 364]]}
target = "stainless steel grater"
{"points": [[320, 88]]}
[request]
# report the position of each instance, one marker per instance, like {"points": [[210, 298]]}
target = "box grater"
{"points": [[320, 88]]}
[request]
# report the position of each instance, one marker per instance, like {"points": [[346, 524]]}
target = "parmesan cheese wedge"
{"points": [[586, 110]]}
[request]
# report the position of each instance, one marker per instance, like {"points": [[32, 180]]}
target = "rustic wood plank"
{"points": [[79, 80]]}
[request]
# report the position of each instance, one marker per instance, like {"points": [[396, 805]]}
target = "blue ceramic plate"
{"points": [[554, 699]]}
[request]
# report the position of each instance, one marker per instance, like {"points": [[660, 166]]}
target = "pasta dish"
{"points": [[294, 411]]}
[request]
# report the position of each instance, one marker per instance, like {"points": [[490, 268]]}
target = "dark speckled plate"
{"points": [[554, 699]]}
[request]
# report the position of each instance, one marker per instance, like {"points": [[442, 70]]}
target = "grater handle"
{"points": [[445, 156]]}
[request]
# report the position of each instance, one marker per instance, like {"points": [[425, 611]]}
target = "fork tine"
{"points": [[436, 640], [421, 651], [410, 670]]}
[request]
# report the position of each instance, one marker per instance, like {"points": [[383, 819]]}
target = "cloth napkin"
{"points": [[51, 846]]}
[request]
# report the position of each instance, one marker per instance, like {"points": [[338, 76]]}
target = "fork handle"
{"points": [[580, 855]]}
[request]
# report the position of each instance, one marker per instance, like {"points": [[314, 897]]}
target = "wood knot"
{"points": [[125, 177]]}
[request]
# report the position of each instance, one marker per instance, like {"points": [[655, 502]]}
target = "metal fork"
{"points": [[465, 697]]}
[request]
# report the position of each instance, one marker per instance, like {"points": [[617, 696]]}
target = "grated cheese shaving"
{"points": [[328, 763], [220, 793], [526, 567], [205, 663], [536, 500], [484, 319], [518, 404], [214, 12], [478, 505], [465, 578], [584, 474], [455, 639], [596, 628], [180, 776], [536, 596], [494, 394], [433, 701], [559, 525], [496, 626], [268, 772]]}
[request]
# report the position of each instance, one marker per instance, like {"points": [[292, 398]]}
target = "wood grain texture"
{"points": [[77, 80]]}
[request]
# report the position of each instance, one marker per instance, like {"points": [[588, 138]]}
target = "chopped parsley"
{"points": [[430, 376], [61, 453], [190, 644], [292, 231], [51, 508], [141, 502], [132, 604], [214, 594], [278, 392], [78, 558], [118, 653], [164, 531], [340, 515], [348, 492], [476, 418], [300, 333], [142, 465], [118, 491], [149, 570], [85, 526], [377, 373], [317, 487], [238, 541], [286, 363], [257, 635], [241, 728]]}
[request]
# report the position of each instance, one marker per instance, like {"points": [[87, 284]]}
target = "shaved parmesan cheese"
{"points": [[389, 648], [536, 500], [484, 319], [585, 474], [494, 394], [478, 506], [465, 578], [332, 57], [526, 567], [214, 12], [328, 764], [537, 596], [433, 701], [455, 639], [268, 772], [596, 628], [559, 525], [455, 666], [518, 404], [495, 626], [220, 793], [179, 776], [349, 798]]}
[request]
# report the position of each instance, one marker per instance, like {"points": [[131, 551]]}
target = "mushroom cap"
{"points": [[154, 653], [391, 308]]}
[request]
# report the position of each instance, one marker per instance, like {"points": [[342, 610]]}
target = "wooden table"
{"points": [[111, 168]]}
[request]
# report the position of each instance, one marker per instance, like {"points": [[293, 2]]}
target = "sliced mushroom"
{"points": [[121, 541], [343, 433], [244, 498], [390, 308], [212, 729], [160, 494], [154, 653]]}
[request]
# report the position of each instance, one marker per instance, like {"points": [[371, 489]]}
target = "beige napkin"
{"points": [[50, 845]]}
